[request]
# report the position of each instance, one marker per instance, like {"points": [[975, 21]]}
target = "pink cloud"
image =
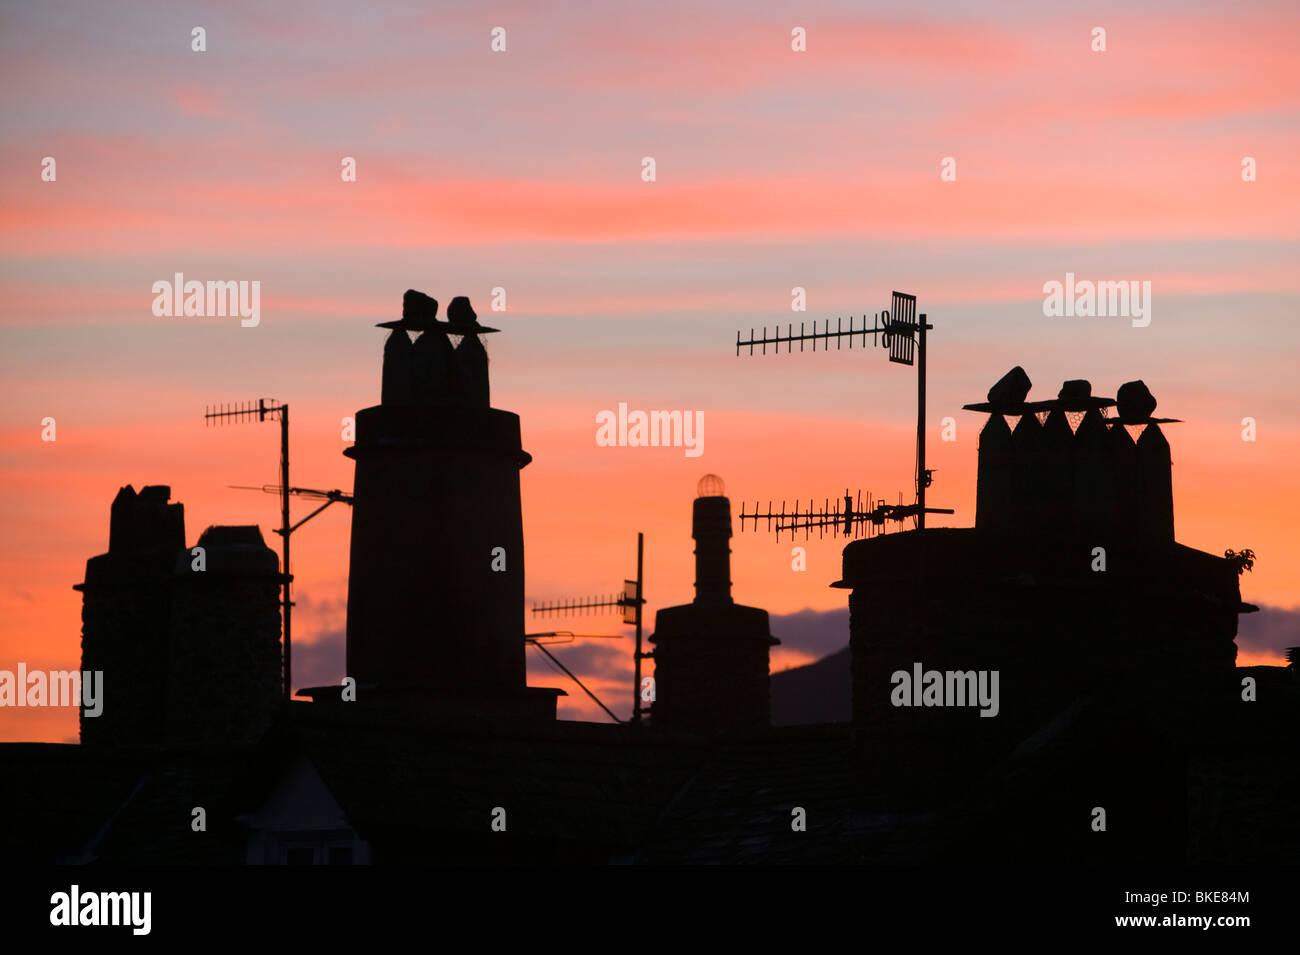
{"points": [[199, 102]]}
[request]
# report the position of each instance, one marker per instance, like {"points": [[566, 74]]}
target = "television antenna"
{"points": [[263, 410], [849, 517], [902, 332], [630, 602], [329, 497]]}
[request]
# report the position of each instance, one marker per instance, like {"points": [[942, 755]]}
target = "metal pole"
{"points": [[575, 679], [920, 431], [636, 686], [285, 532]]}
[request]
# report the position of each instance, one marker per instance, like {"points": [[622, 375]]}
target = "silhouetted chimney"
{"points": [[711, 656], [1155, 467], [436, 579], [1069, 586], [189, 643], [225, 676], [711, 528], [1078, 473], [126, 616]]}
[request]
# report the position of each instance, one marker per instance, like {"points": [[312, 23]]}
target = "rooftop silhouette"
{"points": [[1108, 648]]}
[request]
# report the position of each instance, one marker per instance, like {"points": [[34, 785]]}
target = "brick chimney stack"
{"points": [[225, 674], [711, 655], [1070, 585], [188, 644], [126, 616]]}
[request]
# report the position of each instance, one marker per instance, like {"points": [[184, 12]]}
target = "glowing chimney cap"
{"points": [[710, 486]]}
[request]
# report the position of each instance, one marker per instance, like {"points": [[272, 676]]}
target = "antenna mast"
{"points": [[631, 602], [246, 411], [899, 330]]}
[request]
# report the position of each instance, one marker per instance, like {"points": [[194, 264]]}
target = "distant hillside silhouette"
{"points": [[820, 692]]}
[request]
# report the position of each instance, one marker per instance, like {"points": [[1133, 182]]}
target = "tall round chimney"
{"points": [[711, 528], [436, 580]]}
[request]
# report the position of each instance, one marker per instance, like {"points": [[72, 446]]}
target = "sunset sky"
{"points": [[523, 170]]}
